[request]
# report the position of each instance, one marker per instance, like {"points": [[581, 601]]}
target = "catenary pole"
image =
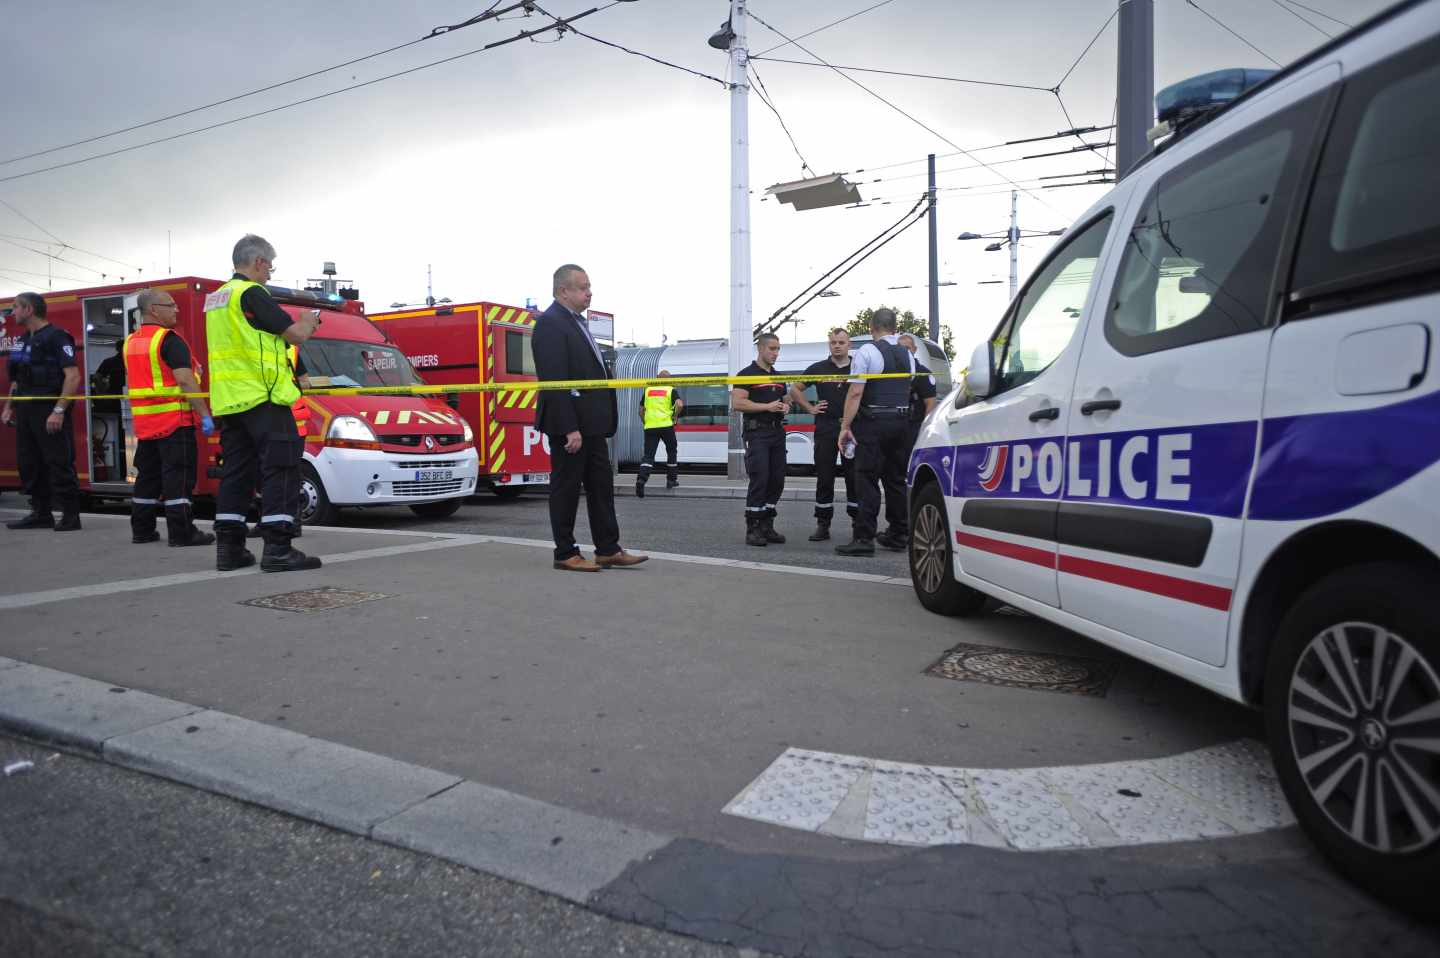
{"points": [[740, 324], [1134, 83], [934, 261], [1014, 244]]}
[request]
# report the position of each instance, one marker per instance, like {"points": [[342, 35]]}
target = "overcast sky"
{"points": [[500, 166]]}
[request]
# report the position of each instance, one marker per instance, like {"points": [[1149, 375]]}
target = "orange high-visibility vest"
{"points": [[156, 400]]}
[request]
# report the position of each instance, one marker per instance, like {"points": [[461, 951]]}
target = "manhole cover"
{"points": [[1025, 670], [322, 599]]}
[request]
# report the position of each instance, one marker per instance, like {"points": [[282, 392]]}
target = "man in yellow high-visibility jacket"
{"points": [[252, 387], [660, 406]]}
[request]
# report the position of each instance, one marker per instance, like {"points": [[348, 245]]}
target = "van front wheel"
{"points": [[1352, 712], [315, 506], [932, 565], [443, 509]]}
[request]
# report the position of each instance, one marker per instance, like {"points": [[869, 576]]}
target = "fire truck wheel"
{"points": [[443, 509], [315, 506]]}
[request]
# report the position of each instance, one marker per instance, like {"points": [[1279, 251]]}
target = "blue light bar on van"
{"points": [[1187, 99]]}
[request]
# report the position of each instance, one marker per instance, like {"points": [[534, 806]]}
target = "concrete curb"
{"points": [[550, 848]]}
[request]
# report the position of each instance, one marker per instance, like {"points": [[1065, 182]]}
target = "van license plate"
{"points": [[432, 475]]}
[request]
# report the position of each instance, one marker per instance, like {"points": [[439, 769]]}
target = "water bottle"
{"points": [[849, 450]]}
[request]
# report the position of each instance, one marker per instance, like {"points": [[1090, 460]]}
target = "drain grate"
{"points": [[322, 599], [1046, 671]]}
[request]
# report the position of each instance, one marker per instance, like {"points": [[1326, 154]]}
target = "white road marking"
{"points": [[1227, 789]]}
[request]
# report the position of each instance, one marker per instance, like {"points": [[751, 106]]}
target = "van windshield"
{"points": [[336, 362]]}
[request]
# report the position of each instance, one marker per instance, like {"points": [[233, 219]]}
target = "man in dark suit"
{"points": [[577, 422]]}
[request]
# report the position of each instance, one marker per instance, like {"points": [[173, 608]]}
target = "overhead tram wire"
{"points": [[979, 149], [523, 35], [1234, 34], [1108, 20], [832, 23], [55, 256], [61, 243], [933, 132], [1303, 19], [764, 95], [897, 73], [1321, 13], [828, 278], [488, 14], [567, 28]]}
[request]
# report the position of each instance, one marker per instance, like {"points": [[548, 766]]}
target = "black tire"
{"points": [[1330, 646], [509, 492], [315, 506], [443, 509], [932, 565]]}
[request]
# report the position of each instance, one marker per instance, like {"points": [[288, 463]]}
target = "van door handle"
{"points": [[1049, 412], [1098, 405]]}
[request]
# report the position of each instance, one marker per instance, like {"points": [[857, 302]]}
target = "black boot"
{"points": [[280, 556], [857, 547], [639, 488], [69, 522], [767, 529], [140, 538], [191, 537], [35, 520], [230, 551], [822, 529], [891, 541], [754, 535]]}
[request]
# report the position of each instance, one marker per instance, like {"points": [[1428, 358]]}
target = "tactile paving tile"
{"points": [[1236, 778], [911, 805], [800, 789], [1024, 811], [1136, 804]]}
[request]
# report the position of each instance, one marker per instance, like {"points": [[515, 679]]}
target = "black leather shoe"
{"points": [[672, 483], [139, 539], [893, 543], [857, 547], [228, 559], [822, 530], [68, 523], [197, 538], [639, 490], [34, 520], [278, 558]]}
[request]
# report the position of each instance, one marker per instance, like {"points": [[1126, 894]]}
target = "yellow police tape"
{"points": [[571, 384]]}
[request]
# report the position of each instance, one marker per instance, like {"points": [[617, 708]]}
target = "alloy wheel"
{"points": [[1364, 721], [928, 551]]}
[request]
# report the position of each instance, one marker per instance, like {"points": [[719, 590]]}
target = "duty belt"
{"points": [[885, 411], [764, 422]]}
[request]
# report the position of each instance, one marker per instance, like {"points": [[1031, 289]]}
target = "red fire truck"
{"points": [[482, 343], [360, 450]]}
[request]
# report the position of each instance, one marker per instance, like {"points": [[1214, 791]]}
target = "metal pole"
{"points": [[934, 261], [1014, 245], [1134, 83], [168, 268], [740, 322]]}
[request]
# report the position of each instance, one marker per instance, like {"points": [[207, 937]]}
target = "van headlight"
{"points": [[351, 432], [469, 433]]}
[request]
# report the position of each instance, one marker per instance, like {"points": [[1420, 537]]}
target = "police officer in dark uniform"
{"points": [[829, 406], [922, 392], [42, 363], [764, 406], [877, 418]]}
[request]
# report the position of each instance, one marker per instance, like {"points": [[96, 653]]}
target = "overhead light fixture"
{"points": [[816, 193]]}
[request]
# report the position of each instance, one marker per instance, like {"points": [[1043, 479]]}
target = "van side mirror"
{"points": [[977, 377]]}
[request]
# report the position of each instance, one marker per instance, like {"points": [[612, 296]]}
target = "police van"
{"points": [[1207, 432]]}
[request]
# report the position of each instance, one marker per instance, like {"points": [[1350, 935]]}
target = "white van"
{"points": [[1207, 433]]}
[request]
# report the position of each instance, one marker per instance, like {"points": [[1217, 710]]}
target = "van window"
{"points": [[1201, 256], [1376, 205], [339, 362], [1050, 308], [519, 360]]}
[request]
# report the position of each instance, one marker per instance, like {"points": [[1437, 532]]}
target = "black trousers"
{"points": [[587, 467], [653, 439], [765, 465], [882, 449], [827, 435], [165, 471], [261, 442], [46, 460]]}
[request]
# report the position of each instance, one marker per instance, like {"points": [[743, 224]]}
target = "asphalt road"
{"points": [[712, 527], [103, 861]]}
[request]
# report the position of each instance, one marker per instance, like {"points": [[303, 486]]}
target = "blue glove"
{"points": [[207, 425]]}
